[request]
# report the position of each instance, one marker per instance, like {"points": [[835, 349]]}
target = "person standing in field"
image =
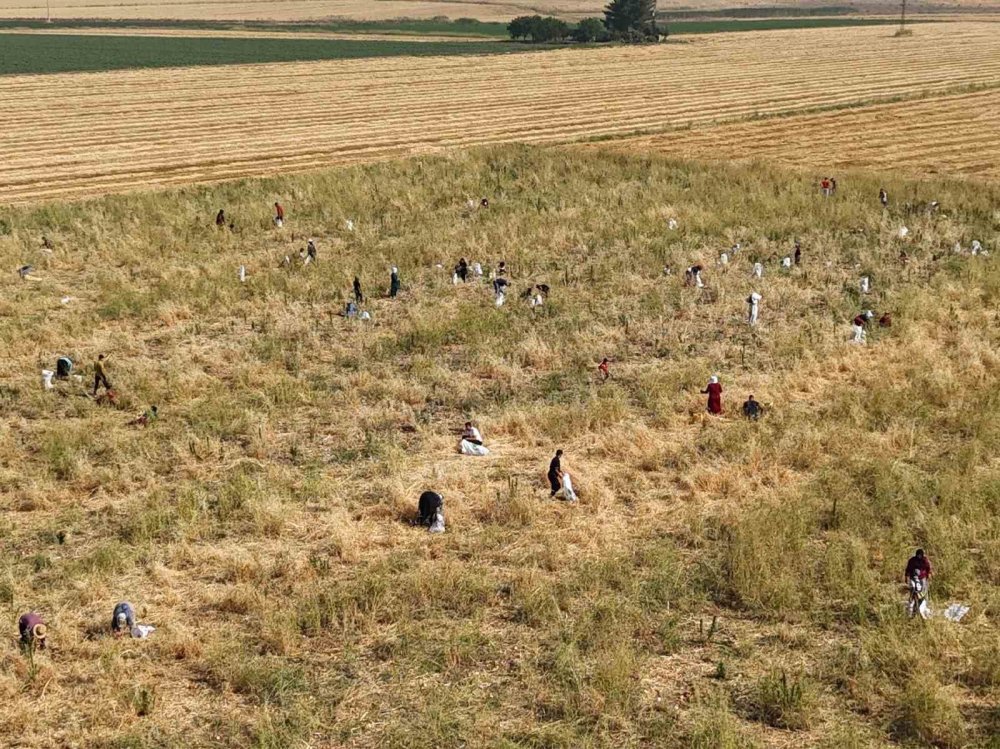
{"points": [[279, 215], [220, 219], [714, 392], [918, 577], [798, 252], [100, 375], [603, 369], [310, 251], [824, 186], [393, 282], [883, 197], [555, 473], [358, 296], [753, 307]]}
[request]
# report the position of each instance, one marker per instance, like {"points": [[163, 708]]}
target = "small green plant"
{"points": [[142, 698], [783, 702]]}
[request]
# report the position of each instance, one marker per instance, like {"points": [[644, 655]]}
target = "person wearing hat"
{"points": [[122, 619], [714, 393], [32, 629]]}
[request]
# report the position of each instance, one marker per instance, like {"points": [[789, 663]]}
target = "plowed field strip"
{"points": [[85, 134], [945, 135]]}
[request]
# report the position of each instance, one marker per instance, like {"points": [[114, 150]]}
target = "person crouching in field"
{"points": [[31, 628], [472, 441], [714, 392], [430, 512], [752, 409], [122, 619], [859, 324]]}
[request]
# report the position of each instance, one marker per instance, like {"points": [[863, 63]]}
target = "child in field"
{"points": [[310, 251], [714, 392], [279, 215], [462, 270], [122, 619], [918, 579], [798, 253], [883, 197], [358, 296], [500, 285], [220, 219], [752, 409], [603, 369]]}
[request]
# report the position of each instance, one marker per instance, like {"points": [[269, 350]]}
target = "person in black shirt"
{"points": [[555, 473], [752, 409]]}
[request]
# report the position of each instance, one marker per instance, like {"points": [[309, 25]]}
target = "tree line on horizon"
{"points": [[631, 21]]}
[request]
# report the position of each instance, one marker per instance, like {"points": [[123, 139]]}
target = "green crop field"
{"points": [[64, 53], [720, 584]]}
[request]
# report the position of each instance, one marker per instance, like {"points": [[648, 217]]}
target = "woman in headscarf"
{"points": [[31, 627], [394, 282], [714, 393]]}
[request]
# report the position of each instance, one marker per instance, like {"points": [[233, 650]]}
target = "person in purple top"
{"points": [[32, 629]]}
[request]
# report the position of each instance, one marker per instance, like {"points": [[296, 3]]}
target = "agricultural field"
{"points": [[937, 136], [85, 134], [80, 52], [483, 10], [720, 583]]}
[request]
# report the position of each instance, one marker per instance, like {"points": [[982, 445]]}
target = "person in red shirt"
{"points": [[714, 393], [279, 214], [603, 368]]}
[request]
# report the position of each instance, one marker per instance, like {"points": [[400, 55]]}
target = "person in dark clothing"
{"points": [[462, 269], [604, 369], [311, 251], [918, 566], [122, 619], [31, 627], [484, 203], [220, 218], [100, 375], [555, 473], [358, 296], [430, 504], [918, 580], [883, 197], [798, 253], [886, 320], [394, 282], [752, 409]]}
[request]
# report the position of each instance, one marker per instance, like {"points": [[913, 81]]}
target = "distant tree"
{"points": [[550, 29], [590, 30], [520, 27], [538, 29], [628, 17]]}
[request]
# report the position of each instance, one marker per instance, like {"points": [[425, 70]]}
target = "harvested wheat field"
{"points": [[83, 134], [483, 10], [719, 583], [941, 135]]}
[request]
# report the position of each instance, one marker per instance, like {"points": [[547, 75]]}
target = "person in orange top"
{"points": [[279, 214]]}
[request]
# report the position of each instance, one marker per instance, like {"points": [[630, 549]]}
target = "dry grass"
{"points": [[260, 524], [947, 135], [85, 134]]}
